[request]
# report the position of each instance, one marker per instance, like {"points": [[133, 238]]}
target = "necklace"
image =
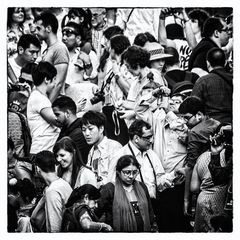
{"points": [[128, 189]]}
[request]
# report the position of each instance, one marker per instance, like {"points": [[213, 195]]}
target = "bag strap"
{"points": [[129, 146], [129, 15]]}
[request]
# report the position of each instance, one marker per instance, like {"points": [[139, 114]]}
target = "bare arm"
{"points": [[60, 80], [49, 116]]}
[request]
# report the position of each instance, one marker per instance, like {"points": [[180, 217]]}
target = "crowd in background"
{"points": [[120, 119]]}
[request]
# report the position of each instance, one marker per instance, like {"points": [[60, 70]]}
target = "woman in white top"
{"points": [[71, 167]]}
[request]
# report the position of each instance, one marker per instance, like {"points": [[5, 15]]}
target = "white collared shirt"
{"points": [[104, 151]]}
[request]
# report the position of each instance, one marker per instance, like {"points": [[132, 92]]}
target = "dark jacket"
{"points": [[74, 131]]}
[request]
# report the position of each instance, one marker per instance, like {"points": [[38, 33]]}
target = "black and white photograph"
{"points": [[118, 120]]}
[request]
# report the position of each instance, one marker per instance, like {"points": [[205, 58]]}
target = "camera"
{"points": [[220, 138], [173, 11], [98, 97]]}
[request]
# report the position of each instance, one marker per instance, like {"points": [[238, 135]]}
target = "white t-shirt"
{"points": [[44, 135]]}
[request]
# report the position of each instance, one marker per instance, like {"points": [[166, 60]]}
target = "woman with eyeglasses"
{"points": [[71, 167], [126, 203]]}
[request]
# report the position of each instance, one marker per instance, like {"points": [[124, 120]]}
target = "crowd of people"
{"points": [[120, 119]]}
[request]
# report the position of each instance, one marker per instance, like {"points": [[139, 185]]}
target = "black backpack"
{"points": [[70, 220]]}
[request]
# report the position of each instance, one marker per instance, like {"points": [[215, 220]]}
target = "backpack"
{"points": [[70, 220], [25, 133]]}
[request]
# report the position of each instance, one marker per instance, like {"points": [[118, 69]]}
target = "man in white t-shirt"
{"points": [[41, 119]]}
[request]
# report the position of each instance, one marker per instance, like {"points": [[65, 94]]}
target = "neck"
{"points": [[42, 89], [144, 72], [98, 142], [50, 177], [52, 39], [71, 119]]}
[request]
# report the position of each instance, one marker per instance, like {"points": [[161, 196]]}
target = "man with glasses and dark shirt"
{"points": [[215, 34], [201, 126]]}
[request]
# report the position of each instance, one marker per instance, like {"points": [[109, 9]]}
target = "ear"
{"points": [[208, 66], [101, 129], [20, 50], [78, 40], [81, 19], [199, 116], [49, 29], [135, 138], [216, 33], [86, 197]]}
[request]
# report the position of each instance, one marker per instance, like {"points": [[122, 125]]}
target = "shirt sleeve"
{"points": [[54, 211]]}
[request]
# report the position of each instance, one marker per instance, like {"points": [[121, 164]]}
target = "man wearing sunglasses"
{"points": [[80, 65], [201, 126]]}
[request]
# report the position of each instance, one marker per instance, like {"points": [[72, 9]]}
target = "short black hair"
{"points": [[41, 71], [125, 161], [28, 68], [65, 103], [136, 128], [193, 105], [210, 25], [216, 57], [77, 28], [136, 56], [200, 15], [26, 39], [170, 61], [142, 38], [95, 118], [119, 43], [48, 19], [46, 161], [112, 31]]}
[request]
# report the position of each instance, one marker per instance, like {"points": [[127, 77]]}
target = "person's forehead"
{"points": [[57, 109], [174, 98], [89, 125], [146, 132], [130, 167], [33, 47], [97, 10]]}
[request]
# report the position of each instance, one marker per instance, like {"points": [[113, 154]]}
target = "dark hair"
{"points": [[10, 144], [136, 128], [211, 25], [26, 39], [193, 105], [26, 188], [95, 118], [80, 12], [142, 38], [41, 71], [112, 31], [67, 144], [108, 33], [46, 161], [78, 194], [10, 19], [119, 43], [126, 161], [170, 61], [65, 103], [48, 19], [77, 28], [136, 56], [216, 57], [200, 15], [28, 68]]}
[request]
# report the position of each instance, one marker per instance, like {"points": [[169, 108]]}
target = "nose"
{"points": [[59, 159], [87, 132]]}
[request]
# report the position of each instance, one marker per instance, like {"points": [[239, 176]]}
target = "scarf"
{"points": [[123, 216]]}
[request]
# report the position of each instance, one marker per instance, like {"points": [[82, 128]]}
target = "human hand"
{"points": [[126, 114], [81, 104], [107, 228], [164, 13]]}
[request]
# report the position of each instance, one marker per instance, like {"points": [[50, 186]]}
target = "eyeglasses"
{"points": [[96, 15], [224, 30], [127, 173], [23, 80], [69, 32], [147, 138], [187, 118]]}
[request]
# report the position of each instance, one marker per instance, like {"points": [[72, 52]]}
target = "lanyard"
{"points": [[129, 146]]}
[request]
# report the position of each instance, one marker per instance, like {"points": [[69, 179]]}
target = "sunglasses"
{"points": [[23, 80], [69, 32]]}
